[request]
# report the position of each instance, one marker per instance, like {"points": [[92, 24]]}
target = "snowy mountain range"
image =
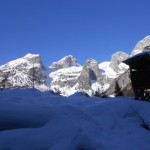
{"points": [[67, 77]]}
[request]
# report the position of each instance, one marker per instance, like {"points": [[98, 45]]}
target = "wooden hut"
{"points": [[140, 74]]}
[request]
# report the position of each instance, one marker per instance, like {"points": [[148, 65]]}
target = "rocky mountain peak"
{"points": [[27, 71], [34, 58], [91, 62], [116, 59], [89, 76], [141, 46], [66, 62]]}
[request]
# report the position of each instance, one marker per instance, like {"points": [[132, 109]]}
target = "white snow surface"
{"points": [[109, 72], [64, 75], [97, 87], [27, 61], [33, 120], [20, 67]]}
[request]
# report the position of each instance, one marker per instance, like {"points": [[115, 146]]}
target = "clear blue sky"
{"points": [[84, 28]]}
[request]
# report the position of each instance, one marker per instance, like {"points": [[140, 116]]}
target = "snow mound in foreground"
{"points": [[33, 120]]}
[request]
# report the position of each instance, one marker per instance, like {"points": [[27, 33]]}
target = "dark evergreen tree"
{"points": [[118, 91]]}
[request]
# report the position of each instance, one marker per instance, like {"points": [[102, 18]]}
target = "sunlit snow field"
{"points": [[33, 120]]}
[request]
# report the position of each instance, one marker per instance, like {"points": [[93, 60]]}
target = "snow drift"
{"points": [[33, 120]]}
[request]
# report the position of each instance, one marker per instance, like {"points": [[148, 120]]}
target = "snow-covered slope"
{"points": [[115, 73], [107, 70], [64, 80], [27, 71], [33, 120]]}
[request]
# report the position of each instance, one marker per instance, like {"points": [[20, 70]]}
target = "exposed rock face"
{"points": [[67, 81], [121, 85], [141, 46], [117, 58], [90, 76], [2, 76], [4, 80], [66, 62], [115, 75], [64, 80], [28, 71]]}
